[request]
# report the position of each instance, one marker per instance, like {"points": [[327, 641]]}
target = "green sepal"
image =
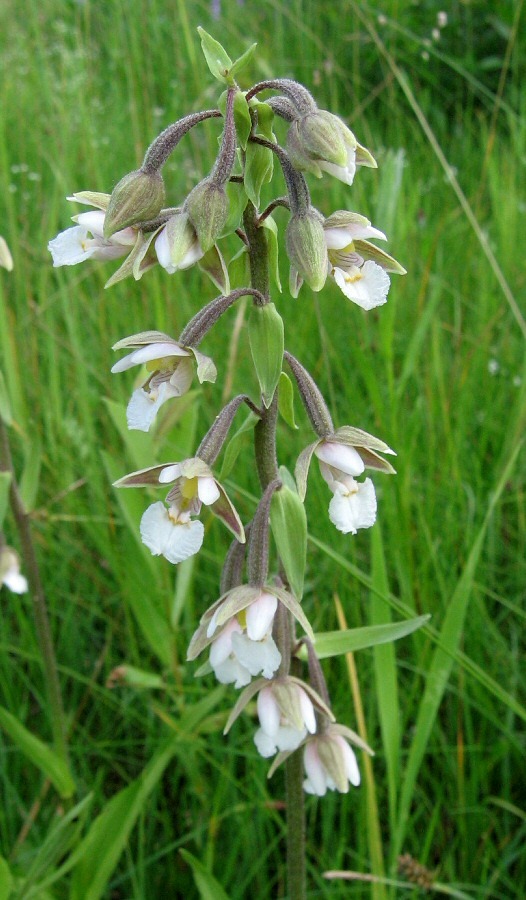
{"points": [[288, 521], [238, 269], [273, 249], [266, 337], [237, 201], [286, 400], [259, 166], [213, 265], [242, 61], [5, 404], [242, 119], [217, 58]]}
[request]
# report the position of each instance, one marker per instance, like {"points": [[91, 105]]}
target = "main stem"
{"points": [[45, 639], [267, 466]]}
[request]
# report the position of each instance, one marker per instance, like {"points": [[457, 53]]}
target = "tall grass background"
{"points": [[439, 373]]}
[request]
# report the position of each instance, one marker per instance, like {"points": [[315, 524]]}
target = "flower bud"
{"points": [[306, 247], [137, 197], [207, 208], [321, 142]]}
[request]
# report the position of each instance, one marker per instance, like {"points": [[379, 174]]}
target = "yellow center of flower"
{"points": [[161, 364], [242, 618], [189, 488]]}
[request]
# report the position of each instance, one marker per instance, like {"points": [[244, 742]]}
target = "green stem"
{"points": [[31, 569], [267, 466]]}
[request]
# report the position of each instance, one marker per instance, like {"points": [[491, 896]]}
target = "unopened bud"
{"points": [[207, 207], [306, 247], [137, 197], [321, 142]]}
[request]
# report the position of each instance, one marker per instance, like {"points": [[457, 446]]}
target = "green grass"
{"points": [[438, 373]]}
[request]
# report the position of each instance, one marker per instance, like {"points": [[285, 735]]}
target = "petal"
{"points": [[159, 350], [367, 286], [143, 406], [15, 581], [268, 711], [182, 378], [93, 221], [340, 238], [170, 473], [69, 247], [339, 456], [342, 173], [289, 738], [221, 648], [231, 672], [349, 758], [314, 770], [307, 711], [266, 746], [207, 490], [174, 540], [260, 616], [259, 657], [162, 248], [349, 512]]}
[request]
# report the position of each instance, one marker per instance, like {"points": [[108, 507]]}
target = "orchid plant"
{"points": [[250, 632]]}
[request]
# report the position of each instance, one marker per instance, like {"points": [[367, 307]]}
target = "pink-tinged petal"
{"points": [[349, 759], [351, 511], [268, 711], [163, 536], [339, 456], [221, 648], [307, 711], [182, 378], [259, 657], [162, 248], [71, 247], [207, 490], [260, 616], [314, 770]]}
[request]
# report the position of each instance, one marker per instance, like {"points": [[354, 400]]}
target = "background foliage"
{"points": [[439, 373]]}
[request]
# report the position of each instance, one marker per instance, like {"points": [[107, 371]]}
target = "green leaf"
{"points": [[288, 521], [42, 756], [5, 404], [5, 484], [217, 58], [242, 60], [335, 643], [237, 200], [273, 249], [286, 400], [6, 879], [206, 884], [265, 334], [242, 119], [101, 848]]}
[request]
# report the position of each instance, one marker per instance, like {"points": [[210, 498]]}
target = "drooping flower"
{"points": [[171, 367], [238, 630], [343, 456], [286, 716], [171, 530], [177, 245], [320, 142], [330, 762], [10, 574]]}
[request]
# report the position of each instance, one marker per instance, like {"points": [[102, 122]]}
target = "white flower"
{"points": [[171, 369], [330, 764], [86, 241], [170, 530], [10, 571], [286, 715], [6, 260], [245, 647], [353, 505]]}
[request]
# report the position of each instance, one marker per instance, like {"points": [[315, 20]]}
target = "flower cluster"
{"points": [[249, 632]]}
